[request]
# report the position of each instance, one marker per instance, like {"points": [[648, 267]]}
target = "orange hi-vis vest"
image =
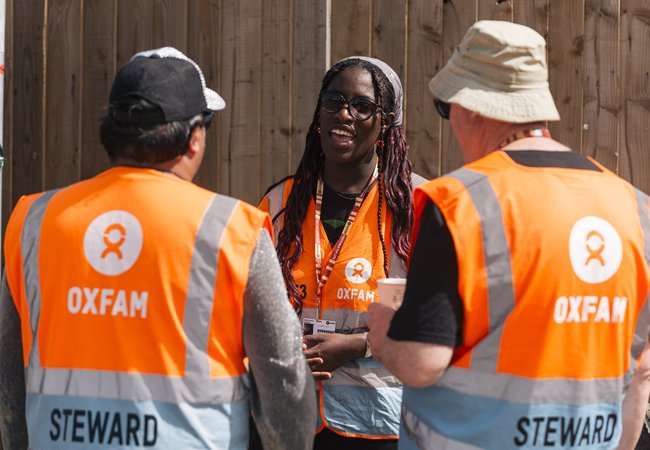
{"points": [[129, 288], [362, 399], [553, 277]]}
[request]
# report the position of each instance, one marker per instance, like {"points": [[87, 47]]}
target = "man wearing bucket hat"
{"points": [[131, 300], [525, 303]]}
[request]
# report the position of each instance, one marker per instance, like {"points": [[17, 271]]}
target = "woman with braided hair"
{"points": [[342, 221]]}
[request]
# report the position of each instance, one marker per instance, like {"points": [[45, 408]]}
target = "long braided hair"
{"points": [[394, 181]]}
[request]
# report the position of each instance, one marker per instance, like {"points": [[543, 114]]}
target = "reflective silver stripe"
{"points": [[642, 205], [427, 439], [417, 180], [275, 198], [641, 331], [397, 267], [378, 377], [514, 389], [135, 386], [643, 321], [200, 290], [346, 319], [308, 312], [496, 253], [30, 241]]}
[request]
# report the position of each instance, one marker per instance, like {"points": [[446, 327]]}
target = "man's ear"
{"points": [[197, 136]]}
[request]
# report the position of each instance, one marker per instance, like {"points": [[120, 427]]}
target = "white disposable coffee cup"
{"points": [[391, 291]]}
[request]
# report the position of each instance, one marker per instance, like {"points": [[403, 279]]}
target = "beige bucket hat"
{"points": [[499, 71]]}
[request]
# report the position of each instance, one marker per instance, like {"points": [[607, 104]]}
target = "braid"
{"points": [[380, 186]]}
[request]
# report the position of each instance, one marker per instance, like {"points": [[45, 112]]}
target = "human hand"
{"points": [[635, 402], [328, 351], [379, 320], [313, 363]]}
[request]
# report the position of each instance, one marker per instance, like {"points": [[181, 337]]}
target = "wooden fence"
{"points": [[267, 58]]}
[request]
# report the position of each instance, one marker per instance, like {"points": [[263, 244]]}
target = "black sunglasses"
{"points": [[358, 107], [443, 108]]}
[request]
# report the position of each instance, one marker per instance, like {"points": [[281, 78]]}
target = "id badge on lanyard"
{"points": [[317, 326]]}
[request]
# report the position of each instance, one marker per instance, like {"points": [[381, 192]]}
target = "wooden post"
{"points": [[2, 101]]}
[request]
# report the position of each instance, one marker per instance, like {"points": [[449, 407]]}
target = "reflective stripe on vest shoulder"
{"points": [[397, 266], [642, 205], [496, 253], [200, 291], [30, 244], [643, 321], [276, 204], [417, 180]]}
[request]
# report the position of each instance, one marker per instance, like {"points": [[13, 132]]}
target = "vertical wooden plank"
{"points": [[8, 130], [309, 67], [28, 127], [389, 34], [495, 10], [62, 93], [170, 24], [243, 135], [98, 73], [134, 28], [635, 62], [533, 14], [566, 72], [204, 42], [601, 101], [276, 138], [424, 60], [458, 16], [350, 28], [226, 58]]}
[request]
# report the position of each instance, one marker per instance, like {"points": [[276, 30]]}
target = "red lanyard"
{"points": [[339, 244]]}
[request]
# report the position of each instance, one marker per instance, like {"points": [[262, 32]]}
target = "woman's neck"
{"points": [[350, 178]]}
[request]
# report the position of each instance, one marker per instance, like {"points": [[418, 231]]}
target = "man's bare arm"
{"points": [[416, 364], [635, 403]]}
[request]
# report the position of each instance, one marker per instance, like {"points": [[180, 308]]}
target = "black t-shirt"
{"points": [[432, 310], [335, 211]]}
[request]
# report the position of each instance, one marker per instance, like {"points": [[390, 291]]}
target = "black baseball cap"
{"points": [[166, 78]]}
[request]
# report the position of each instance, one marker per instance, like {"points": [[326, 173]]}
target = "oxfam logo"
{"points": [[358, 270], [595, 249], [113, 242]]}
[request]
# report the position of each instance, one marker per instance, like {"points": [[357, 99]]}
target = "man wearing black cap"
{"points": [[132, 300]]}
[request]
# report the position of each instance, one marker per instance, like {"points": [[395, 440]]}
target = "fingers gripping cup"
{"points": [[391, 291]]}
